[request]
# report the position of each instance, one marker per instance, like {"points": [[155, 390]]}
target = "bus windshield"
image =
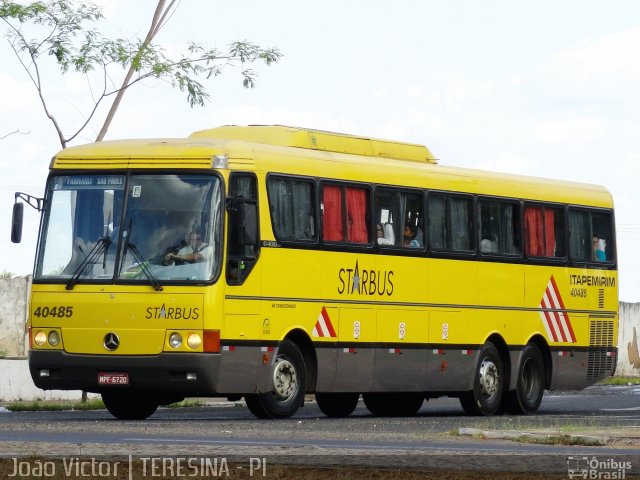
{"points": [[149, 228]]}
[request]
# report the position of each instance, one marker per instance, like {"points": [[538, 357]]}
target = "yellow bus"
{"points": [[271, 262]]}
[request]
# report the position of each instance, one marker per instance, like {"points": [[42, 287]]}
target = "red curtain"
{"points": [[332, 217], [357, 215], [549, 233], [540, 232], [534, 232]]}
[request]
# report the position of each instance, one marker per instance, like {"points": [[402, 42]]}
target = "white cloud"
{"points": [[569, 130], [15, 96], [599, 68]]}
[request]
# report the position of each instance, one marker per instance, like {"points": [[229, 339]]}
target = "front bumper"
{"points": [[165, 372]]}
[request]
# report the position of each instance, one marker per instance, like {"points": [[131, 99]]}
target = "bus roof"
{"points": [[329, 155], [321, 141]]}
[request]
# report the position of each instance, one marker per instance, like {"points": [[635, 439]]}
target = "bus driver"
{"points": [[195, 251]]}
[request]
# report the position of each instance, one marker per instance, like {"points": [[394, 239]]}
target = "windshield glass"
{"points": [[168, 231], [171, 228], [80, 210]]}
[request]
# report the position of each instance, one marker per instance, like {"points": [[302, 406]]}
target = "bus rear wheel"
{"points": [[128, 405], [337, 405], [527, 396], [488, 384], [287, 385], [393, 404]]}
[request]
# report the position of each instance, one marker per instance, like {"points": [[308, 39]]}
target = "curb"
{"points": [[531, 437]]}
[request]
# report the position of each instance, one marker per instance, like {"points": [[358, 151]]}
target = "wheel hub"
{"points": [[489, 378], [285, 379]]}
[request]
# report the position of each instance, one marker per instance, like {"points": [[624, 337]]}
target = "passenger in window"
{"points": [[195, 251], [486, 245], [409, 238], [385, 234], [599, 249]]}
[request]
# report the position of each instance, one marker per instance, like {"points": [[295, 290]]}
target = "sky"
{"points": [[542, 88]]}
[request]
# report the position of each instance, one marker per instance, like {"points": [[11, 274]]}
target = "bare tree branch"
{"points": [[13, 133], [157, 23]]}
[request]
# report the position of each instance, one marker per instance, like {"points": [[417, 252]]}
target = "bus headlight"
{"points": [[175, 340], [54, 338], [194, 341], [40, 338]]}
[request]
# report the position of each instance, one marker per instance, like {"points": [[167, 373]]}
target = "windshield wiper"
{"points": [[143, 265], [139, 258], [101, 246]]}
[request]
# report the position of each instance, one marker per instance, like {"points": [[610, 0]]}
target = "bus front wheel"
{"points": [[337, 405], [127, 405], [488, 384], [288, 383], [527, 396]]}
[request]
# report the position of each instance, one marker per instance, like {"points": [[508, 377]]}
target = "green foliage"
{"points": [[49, 406], [5, 274], [620, 381], [65, 34]]}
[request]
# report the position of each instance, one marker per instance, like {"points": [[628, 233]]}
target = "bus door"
{"points": [[242, 329]]}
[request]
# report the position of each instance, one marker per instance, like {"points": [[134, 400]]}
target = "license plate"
{"points": [[113, 378]]}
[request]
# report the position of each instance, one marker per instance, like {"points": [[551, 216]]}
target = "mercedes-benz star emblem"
{"points": [[111, 341]]}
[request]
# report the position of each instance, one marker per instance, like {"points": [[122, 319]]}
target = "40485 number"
{"points": [[58, 311], [579, 292]]}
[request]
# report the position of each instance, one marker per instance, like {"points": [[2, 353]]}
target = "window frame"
{"points": [[315, 202], [500, 200], [343, 186], [447, 195], [373, 189], [398, 247], [591, 263], [249, 261], [560, 259]]}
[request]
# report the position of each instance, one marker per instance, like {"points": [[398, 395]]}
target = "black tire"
{"points": [[527, 396], [288, 385], [337, 405], [393, 404], [128, 405], [488, 384]]}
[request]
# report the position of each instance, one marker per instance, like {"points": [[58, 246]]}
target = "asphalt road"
{"points": [[427, 441]]}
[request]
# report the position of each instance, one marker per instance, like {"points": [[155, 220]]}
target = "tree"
{"points": [[66, 37]]}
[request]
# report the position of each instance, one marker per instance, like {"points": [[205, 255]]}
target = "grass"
{"points": [[92, 404], [187, 403], [48, 406], [620, 381]]}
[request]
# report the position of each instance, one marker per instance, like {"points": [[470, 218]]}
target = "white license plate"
{"points": [[113, 378]]}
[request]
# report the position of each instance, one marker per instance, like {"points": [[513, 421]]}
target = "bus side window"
{"points": [[450, 219], [590, 235], [243, 240], [345, 214], [387, 210], [499, 227], [292, 207], [602, 231], [412, 205], [399, 218], [544, 231]]}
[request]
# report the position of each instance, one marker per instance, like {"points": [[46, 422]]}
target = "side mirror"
{"points": [[16, 222]]}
